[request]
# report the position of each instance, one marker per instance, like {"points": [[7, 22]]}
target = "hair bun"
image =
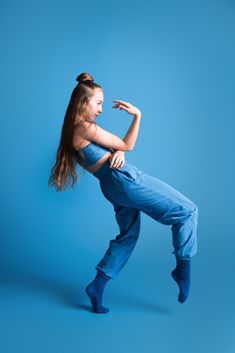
{"points": [[84, 77]]}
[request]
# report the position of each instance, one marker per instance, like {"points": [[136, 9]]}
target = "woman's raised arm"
{"points": [[93, 132]]}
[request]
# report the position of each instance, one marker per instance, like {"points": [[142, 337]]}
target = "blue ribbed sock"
{"points": [[181, 275], [95, 292]]}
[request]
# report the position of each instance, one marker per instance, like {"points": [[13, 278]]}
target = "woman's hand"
{"points": [[117, 159], [129, 108]]}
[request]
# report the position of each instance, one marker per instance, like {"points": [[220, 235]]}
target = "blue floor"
{"points": [[45, 314]]}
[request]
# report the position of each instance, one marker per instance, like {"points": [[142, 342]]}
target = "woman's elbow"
{"points": [[129, 148]]}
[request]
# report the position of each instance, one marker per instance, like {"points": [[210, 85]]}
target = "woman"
{"points": [[127, 187]]}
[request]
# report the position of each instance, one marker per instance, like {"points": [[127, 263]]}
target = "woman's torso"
{"points": [[83, 147]]}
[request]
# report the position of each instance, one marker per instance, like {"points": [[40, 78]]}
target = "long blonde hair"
{"points": [[63, 173]]}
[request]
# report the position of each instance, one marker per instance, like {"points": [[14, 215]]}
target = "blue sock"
{"points": [[181, 275], [95, 292]]}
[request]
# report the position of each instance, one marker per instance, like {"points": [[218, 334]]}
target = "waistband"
{"points": [[102, 170]]}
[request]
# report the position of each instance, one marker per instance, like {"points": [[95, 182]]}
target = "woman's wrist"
{"points": [[137, 115]]}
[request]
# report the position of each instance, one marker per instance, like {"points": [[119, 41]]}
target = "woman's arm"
{"points": [[117, 159], [93, 132], [132, 133]]}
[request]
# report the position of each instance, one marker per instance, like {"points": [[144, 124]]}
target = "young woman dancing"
{"points": [[127, 187]]}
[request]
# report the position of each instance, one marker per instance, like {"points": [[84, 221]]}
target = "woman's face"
{"points": [[94, 106]]}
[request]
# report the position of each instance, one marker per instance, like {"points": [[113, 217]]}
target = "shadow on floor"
{"points": [[73, 296]]}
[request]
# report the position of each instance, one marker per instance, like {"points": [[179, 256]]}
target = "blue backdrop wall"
{"points": [[175, 61]]}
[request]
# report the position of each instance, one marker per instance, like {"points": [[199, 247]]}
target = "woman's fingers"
{"points": [[120, 106], [116, 162], [117, 105], [129, 108], [122, 102]]}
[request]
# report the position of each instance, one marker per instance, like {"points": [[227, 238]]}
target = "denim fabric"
{"points": [[131, 191]]}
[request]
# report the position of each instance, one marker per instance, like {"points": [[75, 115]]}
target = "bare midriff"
{"points": [[81, 143], [96, 166]]}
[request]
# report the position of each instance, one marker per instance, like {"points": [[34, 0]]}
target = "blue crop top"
{"points": [[93, 152]]}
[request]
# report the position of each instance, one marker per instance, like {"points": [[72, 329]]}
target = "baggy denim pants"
{"points": [[131, 191]]}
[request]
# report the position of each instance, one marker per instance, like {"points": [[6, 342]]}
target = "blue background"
{"points": [[175, 61]]}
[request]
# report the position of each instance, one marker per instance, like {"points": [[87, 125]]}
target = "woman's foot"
{"points": [[181, 275], [95, 292]]}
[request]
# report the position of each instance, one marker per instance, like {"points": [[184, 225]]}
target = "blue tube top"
{"points": [[93, 152]]}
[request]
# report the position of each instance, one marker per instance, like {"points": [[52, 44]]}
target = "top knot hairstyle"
{"points": [[84, 77], [63, 173]]}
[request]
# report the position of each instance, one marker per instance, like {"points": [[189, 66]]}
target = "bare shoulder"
{"points": [[79, 135], [92, 132], [86, 127]]}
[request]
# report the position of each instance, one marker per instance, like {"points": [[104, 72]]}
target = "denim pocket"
{"points": [[128, 171], [129, 175]]}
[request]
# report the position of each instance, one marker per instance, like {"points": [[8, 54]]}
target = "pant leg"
{"points": [[183, 218], [131, 187], [170, 207], [121, 247]]}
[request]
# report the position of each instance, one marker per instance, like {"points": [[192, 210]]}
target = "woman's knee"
{"points": [[193, 209]]}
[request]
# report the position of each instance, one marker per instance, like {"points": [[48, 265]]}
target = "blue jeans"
{"points": [[130, 191]]}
